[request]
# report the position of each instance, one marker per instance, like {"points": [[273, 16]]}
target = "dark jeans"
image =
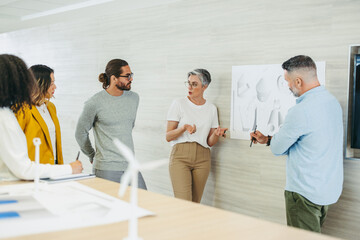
{"points": [[115, 176], [302, 213]]}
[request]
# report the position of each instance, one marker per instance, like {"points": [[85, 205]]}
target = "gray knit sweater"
{"points": [[110, 117]]}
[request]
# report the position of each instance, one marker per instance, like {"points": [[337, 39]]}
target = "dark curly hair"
{"points": [[17, 83]]}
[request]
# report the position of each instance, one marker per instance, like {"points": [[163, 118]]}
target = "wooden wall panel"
{"points": [[162, 43]]}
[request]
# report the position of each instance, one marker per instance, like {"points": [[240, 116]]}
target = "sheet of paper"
{"points": [[66, 178], [59, 207], [260, 97]]}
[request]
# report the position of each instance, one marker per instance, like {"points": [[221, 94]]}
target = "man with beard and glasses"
{"points": [[312, 139], [111, 113]]}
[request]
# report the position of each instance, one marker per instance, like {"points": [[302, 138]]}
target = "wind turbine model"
{"points": [[132, 173], [37, 143]]}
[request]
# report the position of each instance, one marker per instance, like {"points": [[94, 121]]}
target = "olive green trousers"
{"points": [[302, 213]]}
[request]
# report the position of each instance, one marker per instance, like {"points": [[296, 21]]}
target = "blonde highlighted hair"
{"points": [[42, 76]]}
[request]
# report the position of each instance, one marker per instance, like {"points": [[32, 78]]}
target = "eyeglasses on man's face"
{"points": [[191, 84], [129, 76]]}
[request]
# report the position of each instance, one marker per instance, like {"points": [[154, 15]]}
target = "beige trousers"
{"points": [[189, 169]]}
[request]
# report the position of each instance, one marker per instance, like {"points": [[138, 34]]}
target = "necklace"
{"points": [[42, 107]]}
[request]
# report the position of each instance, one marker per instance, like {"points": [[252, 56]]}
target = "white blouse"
{"points": [[203, 116], [14, 161], [44, 112]]}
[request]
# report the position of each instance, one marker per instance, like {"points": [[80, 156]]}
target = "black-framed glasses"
{"points": [[130, 76], [189, 84]]}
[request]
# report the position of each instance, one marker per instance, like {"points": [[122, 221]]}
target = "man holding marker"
{"points": [[312, 139]]}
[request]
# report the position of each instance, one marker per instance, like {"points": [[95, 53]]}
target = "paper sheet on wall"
{"points": [[58, 207], [261, 97]]}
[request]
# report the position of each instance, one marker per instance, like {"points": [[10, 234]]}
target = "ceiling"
{"points": [[12, 11], [20, 14]]}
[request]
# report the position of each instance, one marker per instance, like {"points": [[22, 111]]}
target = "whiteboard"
{"points": [[260, 97]]}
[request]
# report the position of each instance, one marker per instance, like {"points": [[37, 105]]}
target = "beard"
{"points": [[124, 87], [295, 92]]}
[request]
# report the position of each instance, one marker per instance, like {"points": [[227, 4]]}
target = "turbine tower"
{"points": [[131, 174]]}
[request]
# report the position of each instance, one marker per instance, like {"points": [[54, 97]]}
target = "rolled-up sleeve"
{"points": [[293, 128], [174, 112]]}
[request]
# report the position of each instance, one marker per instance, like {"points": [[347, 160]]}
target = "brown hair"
{"points": [[42, 76], [112, 68], [17, 83]]}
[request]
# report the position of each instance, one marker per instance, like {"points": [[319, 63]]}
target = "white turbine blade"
{"points": [[124, 150], [153, 164], [125, 179]]}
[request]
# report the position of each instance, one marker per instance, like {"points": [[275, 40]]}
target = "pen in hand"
{"points": [[253, 139], [224, 133], [76, 166]]}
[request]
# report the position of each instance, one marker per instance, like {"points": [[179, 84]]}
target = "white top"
{"points": [[14, 161], [44, 112], [203, 116]]}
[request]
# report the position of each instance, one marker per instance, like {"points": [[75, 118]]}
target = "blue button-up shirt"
{"points": [[312, 139]]}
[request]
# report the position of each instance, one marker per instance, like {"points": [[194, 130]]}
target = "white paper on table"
{"points": [[67, 178], [65, 206]]}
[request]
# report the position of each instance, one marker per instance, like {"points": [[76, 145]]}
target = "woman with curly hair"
{"points": [[17, 90]]}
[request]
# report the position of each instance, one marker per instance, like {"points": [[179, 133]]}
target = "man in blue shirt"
{"points": [[312, 139]]}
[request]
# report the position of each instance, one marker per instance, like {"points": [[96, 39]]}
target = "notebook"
{"points": [[65, 178]]}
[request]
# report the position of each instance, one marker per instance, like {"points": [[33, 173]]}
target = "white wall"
{"points": [[162, 43]]}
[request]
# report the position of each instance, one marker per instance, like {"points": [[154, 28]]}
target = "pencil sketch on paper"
{"points": [[260, 97]]}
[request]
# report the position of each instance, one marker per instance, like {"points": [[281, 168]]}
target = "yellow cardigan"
{"points": [[33, 126]]}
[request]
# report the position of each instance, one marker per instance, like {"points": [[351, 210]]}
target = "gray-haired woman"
{"points": [[192, 129]]}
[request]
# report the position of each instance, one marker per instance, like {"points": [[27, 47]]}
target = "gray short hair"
{"points": [[202, 74], [297, 62]]}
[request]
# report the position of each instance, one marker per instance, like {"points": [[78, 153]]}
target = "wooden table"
{"points": [[178, 219]]}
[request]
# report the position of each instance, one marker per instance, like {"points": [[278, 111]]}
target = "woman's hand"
{"points": [[214, 135], [76, 167], [173, 132], [189, 128], [221, 132]]}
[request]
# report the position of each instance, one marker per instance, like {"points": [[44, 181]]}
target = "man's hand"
{"points": [[259, 137]]}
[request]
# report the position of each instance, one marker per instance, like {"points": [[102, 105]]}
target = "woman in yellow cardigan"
{"points": [[41, 120]]}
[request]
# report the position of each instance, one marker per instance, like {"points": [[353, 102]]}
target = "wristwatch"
{"points": [[268, 141]]}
